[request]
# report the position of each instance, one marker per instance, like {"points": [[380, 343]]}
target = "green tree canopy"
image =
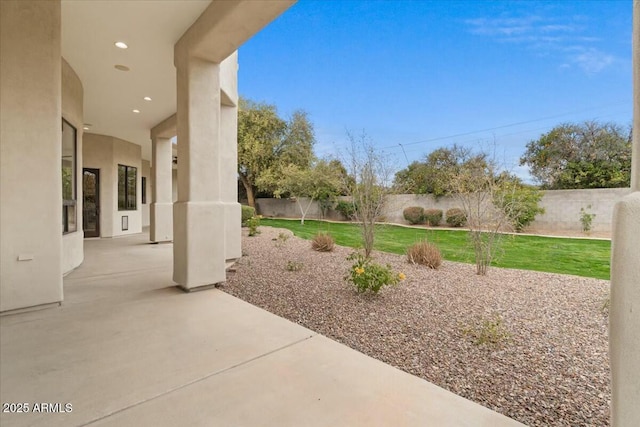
{"points": [[267, 144], [321, 182], [434, 174], [584, 155]]}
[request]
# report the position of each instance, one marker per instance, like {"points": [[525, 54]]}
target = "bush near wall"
{"points": [[247, 213], [456, 217], [433, 217], [347, 209], [414, 214]]}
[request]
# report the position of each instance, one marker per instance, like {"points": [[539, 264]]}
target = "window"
{"points": [[127, 180], [144, 190], [69, 223]]}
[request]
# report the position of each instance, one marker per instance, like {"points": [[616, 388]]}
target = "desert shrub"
{"points": [[424, 253], [281, 240], [488, 332], [253, 223], [414, 214], [247, 213], [294, 266], [456, 217], [520, 203], [586, 218], [322, 242], [433, 216], [347, 209], [367, 275]]}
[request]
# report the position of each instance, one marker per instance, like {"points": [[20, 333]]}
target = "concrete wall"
{"points": [[72, 111], [146, 172], [105, 153], [30, 154], [562, 208]]}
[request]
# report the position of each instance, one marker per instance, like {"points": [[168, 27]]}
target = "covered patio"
{"points": [[129, 348]]}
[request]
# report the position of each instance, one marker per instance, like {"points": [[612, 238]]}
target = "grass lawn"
{"points": [[581, 257]]}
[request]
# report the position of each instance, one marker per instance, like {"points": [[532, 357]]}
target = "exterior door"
{"points": [[91, 202]]}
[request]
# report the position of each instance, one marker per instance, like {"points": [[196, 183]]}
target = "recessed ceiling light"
{"points": [[122, 67], [121, 45], [136, 111], [147, 98], [86, 126]]}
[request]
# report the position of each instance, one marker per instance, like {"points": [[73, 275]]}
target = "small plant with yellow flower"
{"points": [[368, 276]]}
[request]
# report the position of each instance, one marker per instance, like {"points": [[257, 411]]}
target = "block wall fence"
{"points": [[562, 208]]}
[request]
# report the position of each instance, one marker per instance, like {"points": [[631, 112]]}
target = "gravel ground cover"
{"points": [[549, 367]]}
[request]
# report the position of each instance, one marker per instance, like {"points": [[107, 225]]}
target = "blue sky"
{"points": [[418, 75]]}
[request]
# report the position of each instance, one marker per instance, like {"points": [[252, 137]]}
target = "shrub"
{"points": [[520, 203], [281, 239], [488, 332], [424, 253], [322, 242], [347, 209], [294, 266], [456, 217], [247, 213], [433, 216], [586, 219], [367, 275], [414, 214], [253, 223]]}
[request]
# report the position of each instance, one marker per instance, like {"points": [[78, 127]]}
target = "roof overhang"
{"points": [[151, 29]]}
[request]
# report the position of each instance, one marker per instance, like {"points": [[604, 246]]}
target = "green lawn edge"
{"points": [[579, 257]]}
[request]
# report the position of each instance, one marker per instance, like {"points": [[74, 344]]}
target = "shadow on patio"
{"points": [[128, 348]]}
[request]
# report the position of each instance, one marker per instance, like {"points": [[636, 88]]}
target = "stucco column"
{"points": [[624, 326], [161, 217], [229, 179], [198, 215]]}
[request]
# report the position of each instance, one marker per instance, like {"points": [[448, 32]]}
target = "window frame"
{"points": [[128, 202], [69, 206]]}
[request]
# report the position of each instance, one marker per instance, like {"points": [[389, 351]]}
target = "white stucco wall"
{"points": [[72, 112], [105, 153], [30, 154]]}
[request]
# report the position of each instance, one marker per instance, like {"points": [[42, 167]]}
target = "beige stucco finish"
{"points": [[161, 227], [624, 340], [72, 112], [106, 153], [30, 153]]}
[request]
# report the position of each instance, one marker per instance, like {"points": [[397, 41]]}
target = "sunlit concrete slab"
{"points": [[128, 348], [316, 382]]}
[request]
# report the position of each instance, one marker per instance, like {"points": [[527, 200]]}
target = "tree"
{"points": [[585, 155], [433, 175], [267, 144], [518, 200], [492, 202], [370, 176], [321, 183]]}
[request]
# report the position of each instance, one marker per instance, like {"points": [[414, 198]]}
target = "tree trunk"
{"points": [[251, 198]]}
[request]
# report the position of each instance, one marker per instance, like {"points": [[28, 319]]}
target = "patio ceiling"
{"points": [[150, 29]]}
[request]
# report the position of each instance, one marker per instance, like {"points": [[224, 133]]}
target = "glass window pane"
{"points": [[131, 188], [121, 187], [68, 167]]}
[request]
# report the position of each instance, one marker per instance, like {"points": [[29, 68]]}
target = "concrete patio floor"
{"points": [[127, 348]]}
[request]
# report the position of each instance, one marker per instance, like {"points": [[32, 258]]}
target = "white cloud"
{"points": [[547, 36], [592, 60]]}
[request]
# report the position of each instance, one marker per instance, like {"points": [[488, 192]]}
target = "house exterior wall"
{"points": [[72, 112], [30, 154], [106, 153]]}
